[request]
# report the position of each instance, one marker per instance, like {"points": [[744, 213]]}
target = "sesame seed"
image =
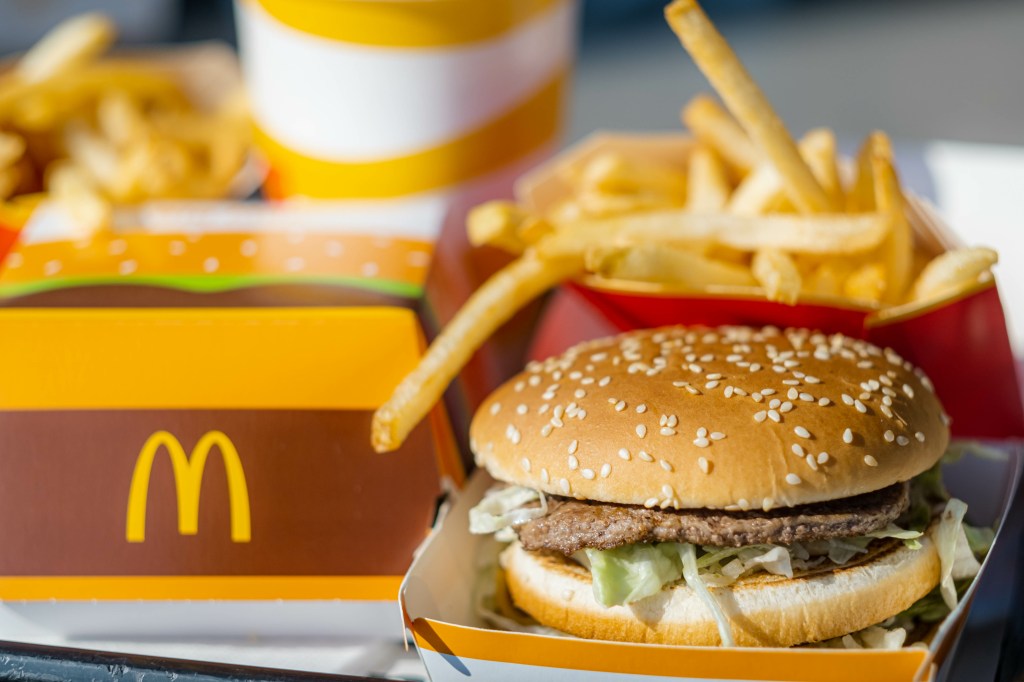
{"points": [[557, 423], [620, 406], [793, 394], [812, 380], [701, 442], [624, 454], [680, 384], [693, 390], [714, 376], [704, 465], [666, 431], [525, 464], [548, 395], [514, 435], [824, 402], [902, 440], [886, 410], [865, 364], [739, 391], [757, 397], [667, 491], [695, 368], [564, 485], [807, 397], [702, 432], [665, 465], [579, 393], [847, 399], [641, 408], [802, 432], [919, 436], [606, 470], [860, 406], [889, 436], [663, 420], [754, 367], [520, 385], [888, 392], [546, 430], [728, 391], [885, 380], [495, 408], [870, 461], [790, 382], [573, 463], [887, 401], [641, 430], [558, 412], [581, 414], [522, 409], [774, 416], [711, 384], [865, 396], [798, 450], [574, 446], [544, 476], [811, 462], [651, 502], [793, 479], [760, 416], [822, 457], [767, 504], [847, 436], [786, 407], [733, 358], [774, 404], [588, 474], [644, 456], [717, 435], [673, 421], [604, 381], [767, 391], [908, 390]]}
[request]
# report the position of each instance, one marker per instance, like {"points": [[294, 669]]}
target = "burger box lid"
{"points": [[455, 643], [970, 326], [186, 452]]}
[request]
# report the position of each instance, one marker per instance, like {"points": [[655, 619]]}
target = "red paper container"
{"points": [[961, 341]]}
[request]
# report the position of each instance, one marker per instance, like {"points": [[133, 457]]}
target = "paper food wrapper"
{"points": [[961, 342], [455, 643], [186, 415]]}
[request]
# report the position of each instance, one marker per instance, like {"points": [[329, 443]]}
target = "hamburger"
{"points": [[706, 486]]}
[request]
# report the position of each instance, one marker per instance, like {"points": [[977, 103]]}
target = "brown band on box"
{"points": [[319, 501]]}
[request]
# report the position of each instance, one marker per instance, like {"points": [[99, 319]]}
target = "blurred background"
{"points": [[919, 69]]}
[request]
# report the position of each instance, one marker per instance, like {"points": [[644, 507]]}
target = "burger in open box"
{"points": [[733, 485]]}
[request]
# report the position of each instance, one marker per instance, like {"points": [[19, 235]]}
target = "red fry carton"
{"points": [[961, 342]]}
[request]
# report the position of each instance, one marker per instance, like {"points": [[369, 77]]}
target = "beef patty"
{"points": [[571, 525]]}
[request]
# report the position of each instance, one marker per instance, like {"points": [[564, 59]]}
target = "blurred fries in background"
{"points": [[90, 132]]}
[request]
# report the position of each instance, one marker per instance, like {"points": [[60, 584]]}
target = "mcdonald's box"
{"points": [[184, 422], [405, 101], [449, 594]]}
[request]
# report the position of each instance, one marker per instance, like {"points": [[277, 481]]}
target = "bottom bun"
{"points": [[763, 609]]}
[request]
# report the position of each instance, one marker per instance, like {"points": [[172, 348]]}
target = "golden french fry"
{"points": [[73, 42], [778, 274], [763, 192], [748, 104], [679, 267], [866, 283], [617, 174], [595, 204], [827, 278], [713, 126], [120, 118], [897, 251], [94, 155], [708, 189], [861, 195], [488, 308], [71, 188], [953, 272], [12, 148], [496, 223], [826, 234]]}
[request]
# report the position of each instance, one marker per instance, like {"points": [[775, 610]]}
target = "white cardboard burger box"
{"points": [[455, 643]]}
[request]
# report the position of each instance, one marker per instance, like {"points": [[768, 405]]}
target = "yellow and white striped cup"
{"points": [[404, 99]]}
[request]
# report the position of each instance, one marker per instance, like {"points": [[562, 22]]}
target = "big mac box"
{"points": [[184, 420]]}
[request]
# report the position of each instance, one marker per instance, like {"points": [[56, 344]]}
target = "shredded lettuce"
{"points": [[688, 555], [874, 637], [980, 539], [629, 573], [501, 508], [955, 556]]}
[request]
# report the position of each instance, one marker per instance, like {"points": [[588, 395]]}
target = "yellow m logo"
{"points": [[188, 479]]}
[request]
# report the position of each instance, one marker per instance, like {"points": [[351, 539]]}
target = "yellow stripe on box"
{"points": [[511, 136], [226, 587], [406, 23], [804, 665], [323, 358]]}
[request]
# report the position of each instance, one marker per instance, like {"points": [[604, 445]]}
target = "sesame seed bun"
{"points": [[686, 418], [763, 609]]}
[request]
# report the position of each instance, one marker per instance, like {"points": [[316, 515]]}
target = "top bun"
{"points": [[729, 418]]}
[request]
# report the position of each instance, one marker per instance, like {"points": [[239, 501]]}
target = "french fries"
{"points": [[743, 207], [94, 132]]}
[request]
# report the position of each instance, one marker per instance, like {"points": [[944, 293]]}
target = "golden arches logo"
{"points": [[188, 480]]}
